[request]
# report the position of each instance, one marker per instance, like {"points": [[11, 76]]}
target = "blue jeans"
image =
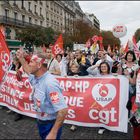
{"points": [[45, 128]]}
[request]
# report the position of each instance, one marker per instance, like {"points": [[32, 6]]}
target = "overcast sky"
{"points": [[111, 13]]}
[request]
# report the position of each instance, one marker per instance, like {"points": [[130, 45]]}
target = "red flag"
{"points": [[2, 29], [137, 53], [135, 44], [95, 38], [126, 48], [100, 38], [136, 48], [4, 57], [88, 43], [58, 46]]}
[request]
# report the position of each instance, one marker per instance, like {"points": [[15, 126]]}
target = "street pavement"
{"points": [[26, 129]]}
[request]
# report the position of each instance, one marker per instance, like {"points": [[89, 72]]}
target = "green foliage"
{"points": [[137, 34], [109, 39], [49, 36], [68, 42], [83, 32], [36, 35]]}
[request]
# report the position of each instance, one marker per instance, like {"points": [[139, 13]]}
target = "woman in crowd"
{"points": [[62, 63], [129, 69], [74, 71], [115, 63], [102, 69], [99, 69], [71, 59], [83, 62]]}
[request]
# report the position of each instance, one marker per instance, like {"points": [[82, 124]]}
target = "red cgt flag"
{"points": [[95, 38], [4, 57], [136, 48], [58, 46]]}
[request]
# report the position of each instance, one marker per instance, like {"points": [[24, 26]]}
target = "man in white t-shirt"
{"points": [[53, 65]]}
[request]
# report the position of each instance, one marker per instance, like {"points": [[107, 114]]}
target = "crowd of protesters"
{"points": [[81, 63]]}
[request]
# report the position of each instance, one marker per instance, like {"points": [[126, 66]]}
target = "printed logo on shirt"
{"points": [[38, 103], [42, 114], [54, 97]]}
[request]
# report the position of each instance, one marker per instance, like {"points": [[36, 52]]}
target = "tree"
{"points": [[82, 32], [49, 36], [109, 39], [137, 34], [37, 36]]}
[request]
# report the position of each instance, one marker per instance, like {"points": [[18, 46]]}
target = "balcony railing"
{"points": [[15, 22]]}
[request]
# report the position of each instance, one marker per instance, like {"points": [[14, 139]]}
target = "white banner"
{"points": [[92, 101]]}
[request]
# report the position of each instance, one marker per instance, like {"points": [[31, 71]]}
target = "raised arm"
{"points": [[23, 62], [93, 70]]}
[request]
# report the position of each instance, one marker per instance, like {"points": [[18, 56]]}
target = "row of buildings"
{"points": [[59, 15]]}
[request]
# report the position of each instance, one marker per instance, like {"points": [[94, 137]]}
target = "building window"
{"points": [[30, 20], [8, 31], [41, 23], [22, 4], [29, 6], [54, 8], [15, 16], [60, 11], [6, 13], [23, 18], [47, 17], [41, 2], [35, 21], [35, 8], [7, 1], [40, 11], [14, 2]]}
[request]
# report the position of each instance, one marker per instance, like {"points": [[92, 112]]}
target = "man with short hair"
{"points": [[83, 62], [47, 97], [53, 65]]}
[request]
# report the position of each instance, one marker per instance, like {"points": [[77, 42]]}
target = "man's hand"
{"points": [[51, 136], [19, 54], [23, 62], [58, 123]]}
